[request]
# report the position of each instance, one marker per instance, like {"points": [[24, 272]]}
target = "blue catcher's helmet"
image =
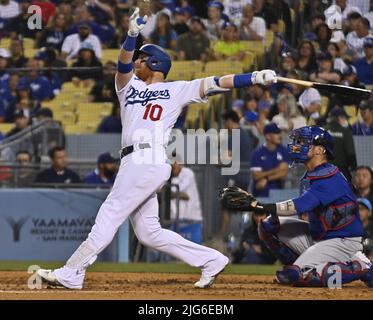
{"points": [[300, 141], [159, 59]]}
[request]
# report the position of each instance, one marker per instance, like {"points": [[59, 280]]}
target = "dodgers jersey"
{"points": [[148, 112]]}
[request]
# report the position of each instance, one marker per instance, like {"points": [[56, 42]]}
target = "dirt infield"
{"points": [[102, 285]]}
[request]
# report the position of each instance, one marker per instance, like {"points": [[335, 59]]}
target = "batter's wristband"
{"points": [[130, 43], [242, 80], [124, 67]]}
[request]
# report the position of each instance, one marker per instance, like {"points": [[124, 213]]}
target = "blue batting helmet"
{"points": [[300, 141], [159, 59]]}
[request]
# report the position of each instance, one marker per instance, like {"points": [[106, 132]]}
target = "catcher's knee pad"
{"points": [[267, 230]]}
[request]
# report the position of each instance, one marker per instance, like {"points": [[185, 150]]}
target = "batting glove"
{"points": [[264, 77], [137, 23]]}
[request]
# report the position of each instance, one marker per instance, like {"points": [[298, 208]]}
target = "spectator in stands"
{"points": [[306, 61], [25, 172], [190, 213], [102, 13], [364, 127], [4, 64], [245, 143], [339, 65], [82, 14], [21, 121], [180, 23], [112, 123], [364, 66], [262, 10], [325, 72], [231, 122], [365, 211], [43, 57], [282, 11], [73, 42], [19, 26], [316, 20], [264, 110], [23, 157], [157, 7], [287, 64], [54, 34], [363, 182], [44, 114], [289, 116], [86, 59], [324, 34], [9, 10], [340, 10], [310, 103], [350, 79], [214, 22], [17, 60], [347, 54], [269, 163], [102, 10], [193, 45], [252, 250], [58, 172], [48, 10], [9, 94], [40, 86], [351, 22], [122, 32], [355, 39], [234, 9], [164, 35], [251, 28], [343, 146], [104, 90], [229, 47], [105, 171], [24, 101]]}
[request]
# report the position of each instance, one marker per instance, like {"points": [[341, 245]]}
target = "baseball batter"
{"points": [[332, 237], [149, 109]]}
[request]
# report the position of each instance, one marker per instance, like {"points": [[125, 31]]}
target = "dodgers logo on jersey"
{"points": [[135, 96]]}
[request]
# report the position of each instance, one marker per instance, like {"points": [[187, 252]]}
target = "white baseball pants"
{"points": [[134, 196]]}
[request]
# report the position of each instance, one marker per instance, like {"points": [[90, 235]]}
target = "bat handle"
{"points": [[303, 83]]}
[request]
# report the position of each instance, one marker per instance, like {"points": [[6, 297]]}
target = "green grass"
{"points": [[141, 267]]}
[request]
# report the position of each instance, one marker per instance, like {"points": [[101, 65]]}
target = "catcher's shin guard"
{"points": [[367, 277], [268, 234]]}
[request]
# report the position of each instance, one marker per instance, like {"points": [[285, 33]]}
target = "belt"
{"points": [[127, 150]]}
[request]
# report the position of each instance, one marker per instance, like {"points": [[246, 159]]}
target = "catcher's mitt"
{"points": [[234, 198]]}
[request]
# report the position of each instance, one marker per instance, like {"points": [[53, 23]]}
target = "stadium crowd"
{"points": [[308, 44]]}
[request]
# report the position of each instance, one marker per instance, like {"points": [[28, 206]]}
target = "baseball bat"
{"points": [[363, 94]]}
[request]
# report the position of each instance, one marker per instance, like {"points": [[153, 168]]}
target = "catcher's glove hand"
{"points": [[234, 198]]}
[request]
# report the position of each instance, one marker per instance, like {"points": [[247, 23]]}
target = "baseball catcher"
{"points": [[333, 234]]}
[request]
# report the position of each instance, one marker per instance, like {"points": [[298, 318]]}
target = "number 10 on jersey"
{"points": [[153, 112]]}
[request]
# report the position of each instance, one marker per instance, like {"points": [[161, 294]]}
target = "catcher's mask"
{"points": [[300, 141]]}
